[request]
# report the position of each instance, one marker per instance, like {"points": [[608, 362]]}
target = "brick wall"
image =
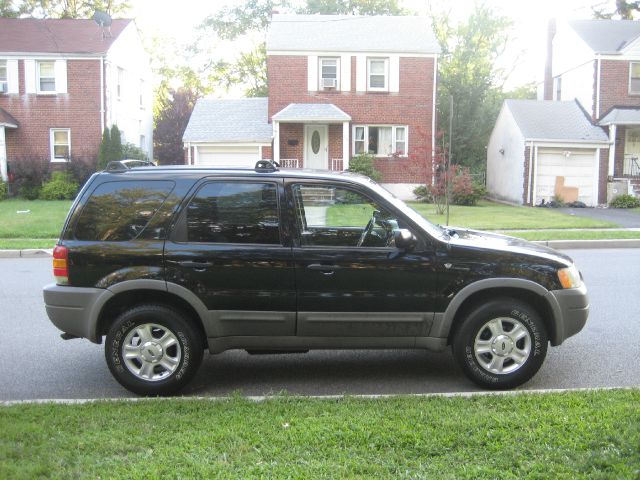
{"points": [[412, 106], [78, 110], [525, 179], [614, 86], [602, 172]]}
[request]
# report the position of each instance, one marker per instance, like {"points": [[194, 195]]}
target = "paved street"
{"points": [[35, 363]]}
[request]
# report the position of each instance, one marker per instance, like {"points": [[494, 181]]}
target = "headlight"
{"points": [[569, 277]]}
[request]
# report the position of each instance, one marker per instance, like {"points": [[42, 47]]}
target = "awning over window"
{"points": [[311, 113], [6, 120], [622, 116]]}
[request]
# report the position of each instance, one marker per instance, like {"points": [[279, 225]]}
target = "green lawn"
{"points": [[575, 435], [39, 218]]}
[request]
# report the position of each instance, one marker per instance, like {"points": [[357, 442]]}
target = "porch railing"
{"points": [[631, 166], [289, 163], [336, 164]]}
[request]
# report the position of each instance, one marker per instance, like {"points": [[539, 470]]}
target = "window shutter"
{"points": [[361, 73], [345, 73], [30, 76], [61, 76], [394, 73], [12, 76], [312, 73]]}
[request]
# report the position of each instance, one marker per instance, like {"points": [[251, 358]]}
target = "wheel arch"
{"points": [[484, 290]]}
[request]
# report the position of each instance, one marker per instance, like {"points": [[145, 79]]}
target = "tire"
{"points": [[501, 344], [172, 355]]}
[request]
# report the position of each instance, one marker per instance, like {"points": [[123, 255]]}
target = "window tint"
{"points": [[329, 215], [234, 212], [120, 211]]}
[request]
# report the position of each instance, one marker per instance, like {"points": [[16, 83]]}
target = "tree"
{"points": [[115, 145], [170, 124], [624, 10], [61, 8], [353, 7], [467, 71], [105, 149]]}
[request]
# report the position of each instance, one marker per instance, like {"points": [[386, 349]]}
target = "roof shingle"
{"points": [[607, 36]]}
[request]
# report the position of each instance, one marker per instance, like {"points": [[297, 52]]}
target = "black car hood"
{"points": [[494, 241]]}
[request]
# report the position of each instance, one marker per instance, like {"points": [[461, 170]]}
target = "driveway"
{"points": [[625, 218]]}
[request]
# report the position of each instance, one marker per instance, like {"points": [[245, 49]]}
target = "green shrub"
{"points": [[625, 201], [3, 190], [29, 174], [62, 186], [422, 193], [364, 164]]}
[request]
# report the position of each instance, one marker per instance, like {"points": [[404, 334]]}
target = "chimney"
{"points": [[548, 68]]}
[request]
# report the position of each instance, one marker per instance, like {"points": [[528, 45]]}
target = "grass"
{"points": [[22, 243], [573, 435], [40, 218]]}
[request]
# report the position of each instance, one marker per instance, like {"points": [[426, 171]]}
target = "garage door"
{"points": [[579, 169], [228, 156]]}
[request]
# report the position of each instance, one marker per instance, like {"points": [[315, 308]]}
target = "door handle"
{"points": [[195, 265], [325, 269]]}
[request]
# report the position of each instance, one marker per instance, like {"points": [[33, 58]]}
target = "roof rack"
{"points": [[124, 165], [266, 166]]}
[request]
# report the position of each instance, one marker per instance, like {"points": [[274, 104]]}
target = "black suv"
{"points": [[168, 261]]}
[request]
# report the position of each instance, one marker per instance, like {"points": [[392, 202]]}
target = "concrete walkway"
{"points": [[625, 218]]}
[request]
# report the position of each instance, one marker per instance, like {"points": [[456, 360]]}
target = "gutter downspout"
{"points": [[598, 74], [530, 192], [102, 94]]}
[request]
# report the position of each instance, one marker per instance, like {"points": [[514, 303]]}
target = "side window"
{"points": [[328, 215], [234, 212], [120, 211]]}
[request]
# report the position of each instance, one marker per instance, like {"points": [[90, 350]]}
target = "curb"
{"points": [[27, 253], [265, 398]]}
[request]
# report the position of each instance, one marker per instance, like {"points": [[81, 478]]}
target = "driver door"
{"points": [[351, 280]]}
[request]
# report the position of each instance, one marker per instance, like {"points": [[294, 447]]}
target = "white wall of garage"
{"points": [[578, 166]]}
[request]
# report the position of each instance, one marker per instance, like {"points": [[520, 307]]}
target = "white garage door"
{"points": [[579, 169], [228, 156]]}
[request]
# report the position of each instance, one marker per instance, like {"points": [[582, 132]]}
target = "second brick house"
{"points": [[63, 81], [338, 86]]}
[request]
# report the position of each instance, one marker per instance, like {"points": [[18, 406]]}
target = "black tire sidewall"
{"points": [[465, 337], [188, 338]]}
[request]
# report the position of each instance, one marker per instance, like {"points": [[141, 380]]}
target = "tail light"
{"points": [[61, 265]]}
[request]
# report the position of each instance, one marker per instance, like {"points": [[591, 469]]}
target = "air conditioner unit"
{"points": [[329, 83]]}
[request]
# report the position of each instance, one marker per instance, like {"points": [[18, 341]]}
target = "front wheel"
{"points": [[501, 344], [153, 350]]}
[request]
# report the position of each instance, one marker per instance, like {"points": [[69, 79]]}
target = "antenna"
{"points": [[103, 19]]}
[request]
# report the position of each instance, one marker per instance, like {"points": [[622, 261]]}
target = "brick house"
{"points": [[339, 86], [63, 81], [597, 62]]}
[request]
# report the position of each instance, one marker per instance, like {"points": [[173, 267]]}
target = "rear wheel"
{"points": [[153, 350], [501, 344]]}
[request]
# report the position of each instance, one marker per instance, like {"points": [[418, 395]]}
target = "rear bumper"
{"points": [[571, 311], [75, 310]]}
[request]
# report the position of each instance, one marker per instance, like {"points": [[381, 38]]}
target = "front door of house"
{"points": [[316, 151]]}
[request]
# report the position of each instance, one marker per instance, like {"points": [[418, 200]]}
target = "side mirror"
{"points": [[404, 239]]}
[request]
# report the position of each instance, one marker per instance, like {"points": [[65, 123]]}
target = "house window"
{"points": [[3, 77], [558, 88], [329, 73], [142, 94], [46, 77], [60, 144], [120, 88], [380, 140], [634, 78], [143, 143], [378, 74]]}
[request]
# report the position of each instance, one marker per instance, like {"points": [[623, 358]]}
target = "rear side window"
{"points": [[120, 211], [234, 212]]}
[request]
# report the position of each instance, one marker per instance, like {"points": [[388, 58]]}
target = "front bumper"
{"points": [[75, 310], [571, 309]]}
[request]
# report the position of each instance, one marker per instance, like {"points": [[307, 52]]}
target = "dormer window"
{"points": [[634, 78], [378, 74], [46, 77], [329, 73]]}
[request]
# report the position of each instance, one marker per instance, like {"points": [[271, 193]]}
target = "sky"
{"points": [[175, 23]]}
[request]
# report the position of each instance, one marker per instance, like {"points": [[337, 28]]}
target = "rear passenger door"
{"points": [[229, 248]]}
